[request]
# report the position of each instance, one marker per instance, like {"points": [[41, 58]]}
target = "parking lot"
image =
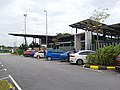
{"points": [[4, 75], [33, 74]]}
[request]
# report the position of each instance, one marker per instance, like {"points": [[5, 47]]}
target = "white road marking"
{"points": [[4, 78], [2, 65], [18, 87], [97, 70], [5, 69], [5, 53], [2, 70]]}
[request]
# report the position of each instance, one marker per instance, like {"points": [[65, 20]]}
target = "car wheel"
{"points": [[80, 62], [49, 58]]}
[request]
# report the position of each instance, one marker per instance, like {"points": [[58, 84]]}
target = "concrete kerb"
{"points": [[99, 67]]}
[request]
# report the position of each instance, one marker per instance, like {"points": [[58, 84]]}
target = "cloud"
{"points": [[61, 13]]}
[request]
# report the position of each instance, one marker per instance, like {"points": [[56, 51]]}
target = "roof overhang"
{"points": [[31, 35], [94, 26]]}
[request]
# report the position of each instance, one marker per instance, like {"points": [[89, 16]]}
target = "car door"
{"points": [[53, 54], [82, 55]]}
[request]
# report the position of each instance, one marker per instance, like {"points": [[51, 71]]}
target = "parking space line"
{"points": [[18, 87], [4, 78], [98, 71], [3, 70], [1, 65]]}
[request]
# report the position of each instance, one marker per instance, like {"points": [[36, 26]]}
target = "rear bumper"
{"points": [[26, 55], [72, 61]]}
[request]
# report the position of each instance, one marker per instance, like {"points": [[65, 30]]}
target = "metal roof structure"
{"points": [[42, 37], [31, 35], [90, 25]]}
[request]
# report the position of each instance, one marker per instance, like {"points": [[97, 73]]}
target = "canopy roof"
{"points": [[93, 26], [31, 35], [42, 37]]}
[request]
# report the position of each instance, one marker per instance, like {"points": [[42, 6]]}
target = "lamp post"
{"points": [[25, 15], [46, 29]]}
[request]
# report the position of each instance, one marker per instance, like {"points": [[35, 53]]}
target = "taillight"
{"points": [[72, 55]]}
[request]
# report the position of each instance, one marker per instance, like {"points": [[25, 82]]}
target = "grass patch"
{"points": [[4, 85]]}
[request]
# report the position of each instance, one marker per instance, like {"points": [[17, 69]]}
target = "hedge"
{"points": [[104, 56]]}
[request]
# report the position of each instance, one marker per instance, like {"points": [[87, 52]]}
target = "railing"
{"points": [[105, 43]]}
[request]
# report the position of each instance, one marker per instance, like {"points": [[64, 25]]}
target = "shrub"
{"points": [[104, 56], [19, 51]]}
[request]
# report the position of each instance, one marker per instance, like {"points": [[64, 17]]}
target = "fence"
{"points": [[105, 43]]}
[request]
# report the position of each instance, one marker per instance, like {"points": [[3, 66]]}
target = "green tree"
{"points": [[23, 47], [33, 44], [99, 16]]}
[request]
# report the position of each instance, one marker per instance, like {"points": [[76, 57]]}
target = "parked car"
{"points": [[65, 56], [80, 57], [117, 62], [40, 54], [29, 53], [53, 54]]}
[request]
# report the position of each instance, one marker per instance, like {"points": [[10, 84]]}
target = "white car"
{"points": [[80, 57], [39, 54]]}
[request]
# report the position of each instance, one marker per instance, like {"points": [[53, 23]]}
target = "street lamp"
{"points": [[25, 15], [46, 29]]}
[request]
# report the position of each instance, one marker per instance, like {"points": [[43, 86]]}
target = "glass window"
{"points": [[86, 53], [83, 53]]}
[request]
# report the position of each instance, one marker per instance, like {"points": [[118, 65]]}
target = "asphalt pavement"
{"points": [[34, 74]]}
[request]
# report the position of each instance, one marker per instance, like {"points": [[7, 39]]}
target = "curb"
{"points": [[98, 67]]}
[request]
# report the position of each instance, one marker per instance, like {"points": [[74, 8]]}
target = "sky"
{"points": [[60, 13]]}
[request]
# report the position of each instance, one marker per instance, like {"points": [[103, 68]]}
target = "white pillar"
{"points": [[88, 40], [77, 44]]}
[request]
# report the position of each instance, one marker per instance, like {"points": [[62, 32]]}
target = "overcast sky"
{"points": [[61, 13]]}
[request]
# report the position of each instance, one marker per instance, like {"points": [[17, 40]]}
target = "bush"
{"points": [[19, 51], [104, 56]]}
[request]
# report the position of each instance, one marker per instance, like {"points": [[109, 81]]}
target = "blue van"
{"points": [[53, 54]]}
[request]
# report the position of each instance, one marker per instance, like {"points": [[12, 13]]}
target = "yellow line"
{"points": [[83, 66], [94, 67], [10, 85], [111, 68]]}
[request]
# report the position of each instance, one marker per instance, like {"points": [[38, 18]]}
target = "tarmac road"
{"points": [[33, 74]]}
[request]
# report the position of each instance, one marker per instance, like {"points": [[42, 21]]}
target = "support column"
{"points": [[78, 42], [76, 30], [33, 43], [39, 43], [75, 40], [104, 35], [35, 40], [25, 41], [88, 40]]}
